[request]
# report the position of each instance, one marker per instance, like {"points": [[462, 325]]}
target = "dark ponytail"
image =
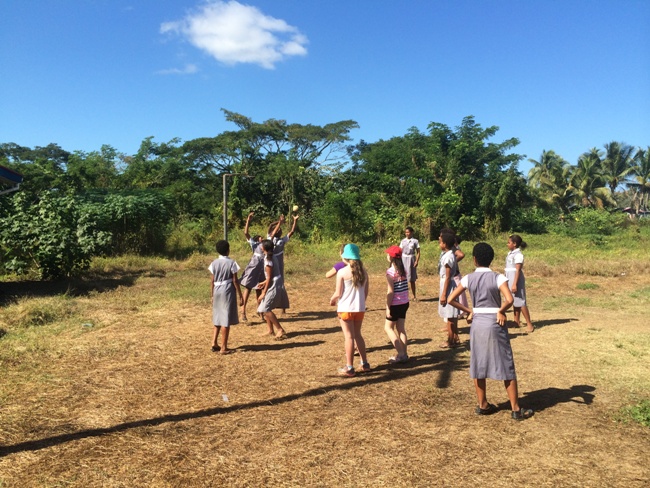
{"points": [[519, 242]]}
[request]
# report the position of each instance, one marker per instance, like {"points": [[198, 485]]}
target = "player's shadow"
{"points": [[389, 346], [420, 300], [540, 400], [308, 332], [436, 361], [308, 316], [277, 346], [546, 323]]}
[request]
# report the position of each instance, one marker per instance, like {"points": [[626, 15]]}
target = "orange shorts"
{"points": [[351, 316]]}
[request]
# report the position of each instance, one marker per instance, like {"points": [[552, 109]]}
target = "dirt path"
{"points": [[143, 402]]}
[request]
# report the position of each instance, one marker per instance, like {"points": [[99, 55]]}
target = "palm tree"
{"points": [[545, 169], [552, 176], [641, 172], [588, 181], [617, 164]]}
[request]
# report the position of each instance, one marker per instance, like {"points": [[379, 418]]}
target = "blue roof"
{"points": [[8, 176]]}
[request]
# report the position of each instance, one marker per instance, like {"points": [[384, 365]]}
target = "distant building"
{"points": [[9, 180]]}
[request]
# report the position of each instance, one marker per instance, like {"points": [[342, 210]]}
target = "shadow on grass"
{"points": [[545, 323], [308, 332], [15, 290], [435, 361], [427, 300], [389, 346], [308, 316], [540, 400], [278, 345]]}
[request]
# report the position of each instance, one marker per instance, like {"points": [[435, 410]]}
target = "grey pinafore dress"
{"points": [[254, 272], [511, 260], [491, 354], [278, 251], [448, 259], [224, 296], [276, 296], [409, 247]]}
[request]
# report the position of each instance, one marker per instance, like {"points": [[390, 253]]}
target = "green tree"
{"points": [[43, 168], [617, 163], [641, 178], [551, 175], [94, 170], [589, 182]]}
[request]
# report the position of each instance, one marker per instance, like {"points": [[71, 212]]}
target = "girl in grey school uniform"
{"points": [[225, 292], [517, 280], [254, 272], [273, 293], [491, 354], [448, 268], [275, 235]]}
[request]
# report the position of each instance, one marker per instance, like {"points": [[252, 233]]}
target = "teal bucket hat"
{"points": [[351, 251]]}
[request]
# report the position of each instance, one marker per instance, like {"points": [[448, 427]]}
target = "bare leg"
{"points": [[245, 294], [526, 313], [513, 394], [413, 287], [224, 340], [348, 337], [269, 324], [272, 322], [359, 341], [454, 329], [395, 338], [481, 393], [401, 330], [517, 311], [215, 338]]}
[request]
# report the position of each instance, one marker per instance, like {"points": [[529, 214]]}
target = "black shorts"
{"points": [[398, 312]]}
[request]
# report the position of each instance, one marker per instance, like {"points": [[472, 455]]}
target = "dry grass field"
{"points": [[118, 387]]}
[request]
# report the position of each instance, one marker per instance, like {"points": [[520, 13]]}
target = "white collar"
{"points": [[482, 270]]}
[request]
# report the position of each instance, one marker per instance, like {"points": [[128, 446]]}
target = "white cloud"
{"points": [[189, 69], [234, 33]]}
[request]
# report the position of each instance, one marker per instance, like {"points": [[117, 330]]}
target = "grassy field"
{"points": [[109, 380]]}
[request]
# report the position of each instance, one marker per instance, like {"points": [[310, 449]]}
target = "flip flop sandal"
{"points": [[487, 411], [522, 414]]}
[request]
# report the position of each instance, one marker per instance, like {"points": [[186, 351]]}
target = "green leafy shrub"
{"points": [[532, 220], [591, 222], [639, 413], [53, 235]]}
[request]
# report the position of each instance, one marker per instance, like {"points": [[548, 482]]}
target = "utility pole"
{"points": [[225, 202]]}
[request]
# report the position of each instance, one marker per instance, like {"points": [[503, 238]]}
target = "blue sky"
{"points": [[563, 75]]}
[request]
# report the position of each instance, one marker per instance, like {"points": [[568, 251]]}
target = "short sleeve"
{"points": [[501, 279], [211, 267], [519, 258], [447, 260], [235, 267], [417, 244], [268, 262], [464, 281]]}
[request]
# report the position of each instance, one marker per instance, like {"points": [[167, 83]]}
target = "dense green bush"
{"points": [[591, 222], [53, 235], [533, 220], [57, 235]]}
